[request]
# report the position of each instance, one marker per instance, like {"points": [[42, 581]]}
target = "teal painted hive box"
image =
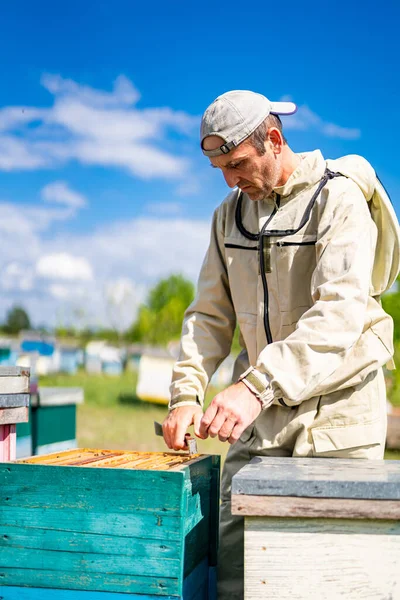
{"points": [[109, 525], [53, 419]]}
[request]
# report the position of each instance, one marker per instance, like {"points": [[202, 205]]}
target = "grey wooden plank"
{"points": [[325, 508], [319, 478], [13, 400]]}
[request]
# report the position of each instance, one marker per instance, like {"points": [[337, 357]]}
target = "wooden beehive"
{"points": [[105, 525], [319, 528]]}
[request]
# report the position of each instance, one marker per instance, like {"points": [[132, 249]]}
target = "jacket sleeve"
{"points": [[324, 351], [208, 325]]}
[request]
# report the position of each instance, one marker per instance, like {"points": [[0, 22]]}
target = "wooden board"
{"points": [[335, 508], [316, 559], [10, 416], [319, 478], [13, 400], [198, 585]]}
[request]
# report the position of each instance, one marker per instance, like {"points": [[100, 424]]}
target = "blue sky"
{"points": [[103, 187]]}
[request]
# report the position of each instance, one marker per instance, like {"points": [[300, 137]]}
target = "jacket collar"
{"points": [[310, 170]]}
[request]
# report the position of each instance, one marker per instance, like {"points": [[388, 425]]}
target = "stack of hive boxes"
{"points": [[14, 407]]}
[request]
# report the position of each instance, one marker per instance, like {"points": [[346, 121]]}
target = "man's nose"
{"points": [[231, 178]]}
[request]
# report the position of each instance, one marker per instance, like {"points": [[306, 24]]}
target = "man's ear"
{"points": [[275, 139]]}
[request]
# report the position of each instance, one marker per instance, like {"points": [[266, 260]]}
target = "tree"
{"points": [[160, 318], [16, 320]]}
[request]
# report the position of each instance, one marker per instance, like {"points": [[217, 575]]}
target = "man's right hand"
{"points": [[176, 425]]}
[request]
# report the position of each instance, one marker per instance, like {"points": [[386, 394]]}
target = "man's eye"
{"points": [[236, 165]]}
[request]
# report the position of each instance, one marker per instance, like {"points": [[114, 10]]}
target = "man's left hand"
{"points": [[230, 412]]}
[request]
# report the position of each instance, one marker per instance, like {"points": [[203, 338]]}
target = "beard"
{"points": [[267, 180]]}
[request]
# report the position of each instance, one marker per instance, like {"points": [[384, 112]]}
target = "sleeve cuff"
{"points": [[184, 401], [259, 384]]}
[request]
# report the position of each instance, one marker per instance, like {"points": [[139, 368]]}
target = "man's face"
{"points": [[243, 167]]}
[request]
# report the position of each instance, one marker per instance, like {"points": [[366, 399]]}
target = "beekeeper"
{"points": [[300, 252]]}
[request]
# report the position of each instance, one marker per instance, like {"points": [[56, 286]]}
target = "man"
{"points": [[297, 261]]}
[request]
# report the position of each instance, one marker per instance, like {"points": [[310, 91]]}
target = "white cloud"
{"points": [[164, 208], [124, 93], [20, 154], [60, 193], [95, 127], [106, 276], [307, 120], [17, 276], [64, 266]]}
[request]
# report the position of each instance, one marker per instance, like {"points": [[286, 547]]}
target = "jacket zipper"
{"points": [[241, 247], [263, 258], [280, 244]]}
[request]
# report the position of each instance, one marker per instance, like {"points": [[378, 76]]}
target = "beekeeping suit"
{"points": [[301, 273]]}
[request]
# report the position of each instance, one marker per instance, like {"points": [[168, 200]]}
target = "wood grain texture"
{"points": [[335, 508], [321, 558], [24, 593], [11, 416], [100, 582], [319, 478], [155, 526], [198, 585]]}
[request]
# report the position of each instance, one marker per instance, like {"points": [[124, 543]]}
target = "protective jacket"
{"points": [[301, 273]]}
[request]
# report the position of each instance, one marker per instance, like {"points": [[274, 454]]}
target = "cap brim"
{"points": [[283, 108]]}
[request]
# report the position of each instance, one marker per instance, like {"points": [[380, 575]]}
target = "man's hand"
{"points": [[176, 425], [230, 413]]}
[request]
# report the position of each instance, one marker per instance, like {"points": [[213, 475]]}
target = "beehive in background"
{"points": [[111, 523]]}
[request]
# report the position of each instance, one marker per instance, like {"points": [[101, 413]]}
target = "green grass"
{"points": [[112, 417]]}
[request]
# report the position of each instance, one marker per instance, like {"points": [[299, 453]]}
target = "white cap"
{"points": [[235, 115]]}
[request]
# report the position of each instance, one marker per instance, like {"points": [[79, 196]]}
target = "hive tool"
{"points": [[190, 443]]}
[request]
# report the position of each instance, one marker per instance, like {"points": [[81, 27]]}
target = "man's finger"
{"points": [[207, 419], [236, 433], [226, 430], [166, 433], [197, 420], [217, 423], [178, 441]]}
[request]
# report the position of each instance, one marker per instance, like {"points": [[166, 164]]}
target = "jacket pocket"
{"points": [[295, 264], [329, 439]]}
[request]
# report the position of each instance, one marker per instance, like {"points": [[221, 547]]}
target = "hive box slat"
{"points": [[320, 528], [10, 400], [82, 530], [14, 380], [11, 416], [195, 587]]}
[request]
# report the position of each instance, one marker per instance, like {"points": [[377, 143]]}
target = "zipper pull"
{"points": [[267, 254]]}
